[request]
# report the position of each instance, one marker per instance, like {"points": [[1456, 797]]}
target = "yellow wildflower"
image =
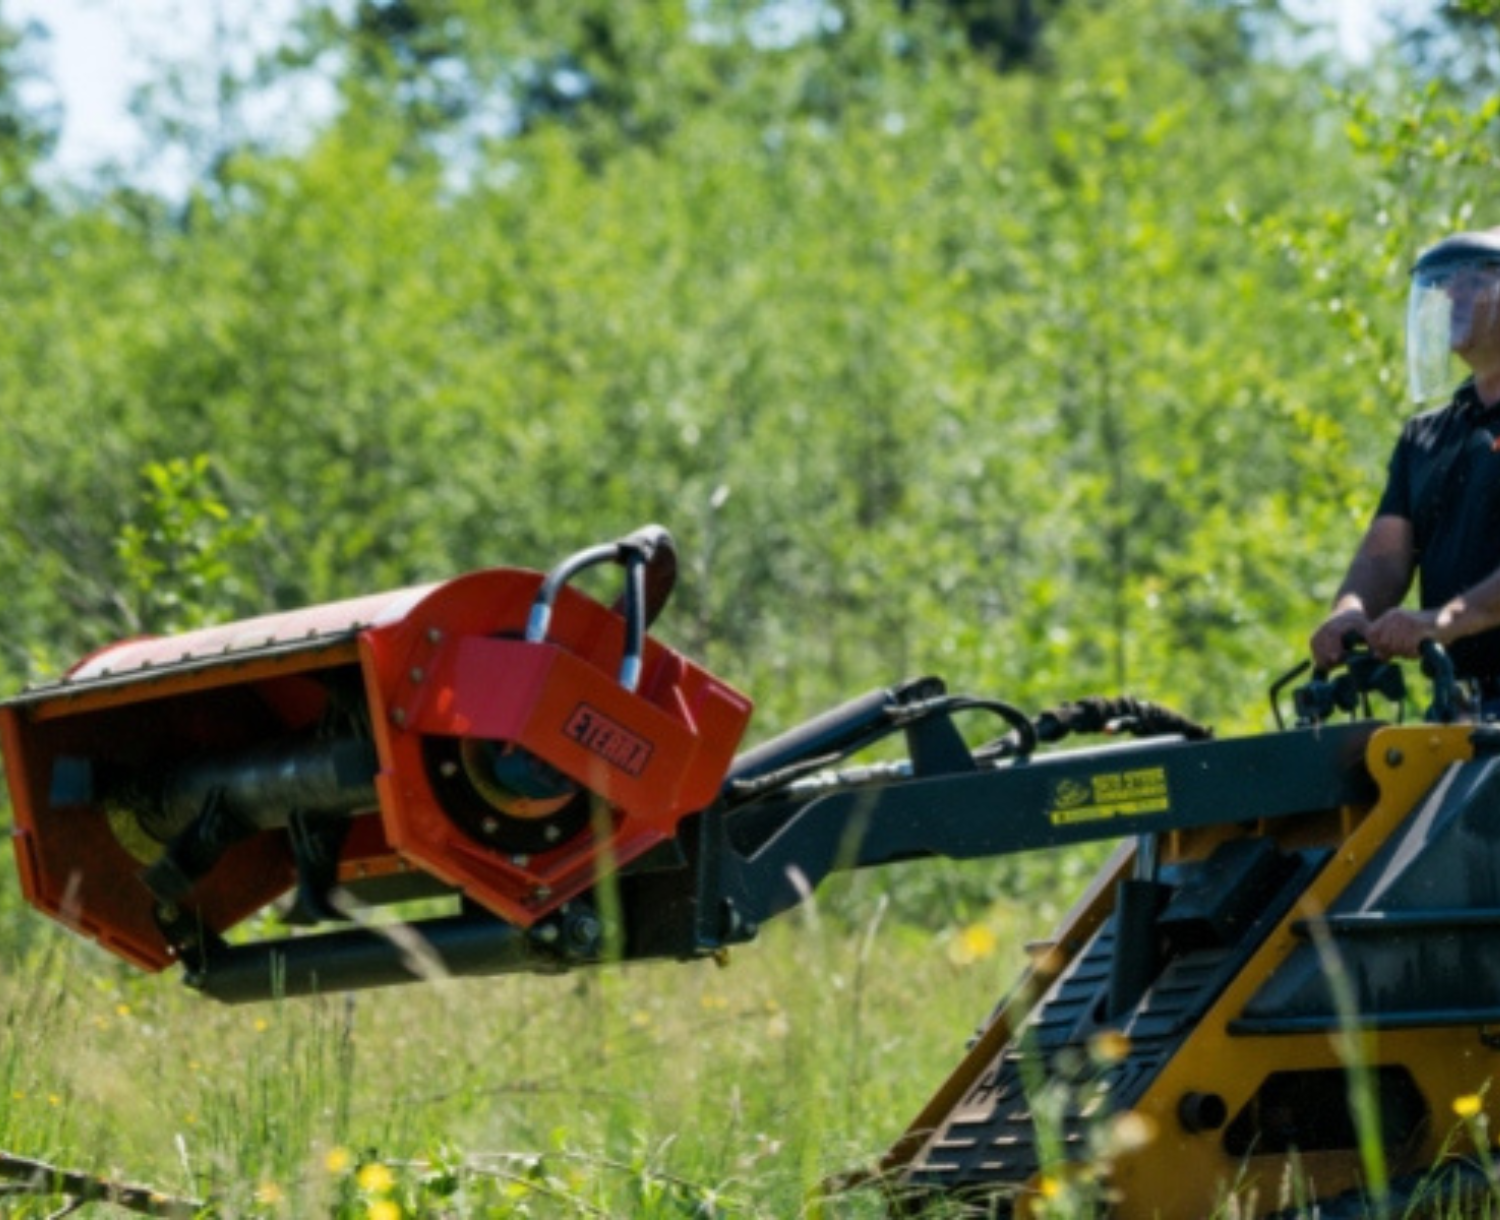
{"points": [[337, 1160], [375, 1178], [973, 944], [1109, 1046], [1468, 1106], [1130, 1131]]}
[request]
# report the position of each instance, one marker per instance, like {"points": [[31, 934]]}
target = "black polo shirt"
{"points": [[1445, 479]]}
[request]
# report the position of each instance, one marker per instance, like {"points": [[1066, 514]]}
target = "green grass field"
{"points": [[656, 1090], [651, 1091]]}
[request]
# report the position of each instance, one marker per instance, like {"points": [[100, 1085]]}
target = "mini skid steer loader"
{"points": [[509, 742]]}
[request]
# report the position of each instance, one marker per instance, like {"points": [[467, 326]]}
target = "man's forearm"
{"points": [[1377, 580], [1473, 611], [1374, 584]]}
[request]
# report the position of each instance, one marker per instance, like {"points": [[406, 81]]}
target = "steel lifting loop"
{"points": [[649, 550]]}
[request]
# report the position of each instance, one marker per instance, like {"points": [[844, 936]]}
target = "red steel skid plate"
{"points": [[147, 705], [653, 755], [73, 867]]}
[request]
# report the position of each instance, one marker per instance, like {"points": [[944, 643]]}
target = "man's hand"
{"points": [[1327, 643], [1399, 633]]}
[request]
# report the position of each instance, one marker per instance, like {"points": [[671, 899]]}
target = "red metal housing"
{"points": [[440, 663]]}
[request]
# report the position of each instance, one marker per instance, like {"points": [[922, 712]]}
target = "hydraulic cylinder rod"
{"points": [[460, 946]]}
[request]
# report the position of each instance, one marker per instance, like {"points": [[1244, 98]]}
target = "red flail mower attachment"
{"points": [[500, 738]]}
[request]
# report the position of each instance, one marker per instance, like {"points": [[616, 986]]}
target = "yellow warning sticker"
{"points": [[1114, 794]]}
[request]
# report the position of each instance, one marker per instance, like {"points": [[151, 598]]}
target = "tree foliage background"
{"points": [[1054, 348]]}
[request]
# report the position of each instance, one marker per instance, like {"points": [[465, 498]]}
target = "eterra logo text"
{"points": [[609, 739]]}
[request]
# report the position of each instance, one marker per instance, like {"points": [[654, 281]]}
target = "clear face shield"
{"points": [[1454, 309]]}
